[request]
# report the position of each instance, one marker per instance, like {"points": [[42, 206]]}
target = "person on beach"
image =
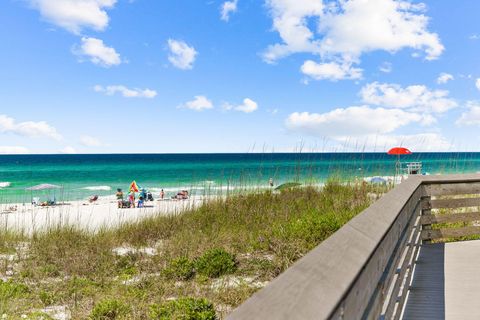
{"points": [[93, 198], [140, 202], [119, 196], [143, 193], [149, 196], [162, 194], [131, 199]]}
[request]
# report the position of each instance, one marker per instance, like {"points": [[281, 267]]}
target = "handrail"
{"points": [[364, 270]]}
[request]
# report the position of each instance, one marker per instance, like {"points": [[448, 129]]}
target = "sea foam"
{"points": [[5, 184], [98, 188]]}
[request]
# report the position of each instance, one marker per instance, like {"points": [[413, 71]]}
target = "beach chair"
{"points": [[35, 201], [51, 202]]}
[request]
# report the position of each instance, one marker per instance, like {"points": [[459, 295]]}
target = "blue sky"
{"points": [[109, 76]]}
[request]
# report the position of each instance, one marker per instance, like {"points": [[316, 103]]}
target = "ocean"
{"points": [[83, 175]]}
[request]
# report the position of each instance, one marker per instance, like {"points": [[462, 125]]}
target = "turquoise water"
{"points": [[84, 175]]}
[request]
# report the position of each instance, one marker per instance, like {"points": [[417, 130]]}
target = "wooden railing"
{"points": [[451, 203], [365, 269]]}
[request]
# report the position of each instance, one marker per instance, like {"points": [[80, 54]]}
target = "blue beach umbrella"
{"points": [[378, 180]]}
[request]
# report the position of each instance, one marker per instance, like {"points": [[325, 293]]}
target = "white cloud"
{"points": [[351, 121], [385, 67], [98, 53], [471, 116], [341, 31], [415, 97], [29, 129], [290, 19], [126, 92], [330, 71], [74, 15], [181, 54], [68, 150], [248, 106], [227, 8], [477, 83], [444, 78], [368, 25], [13, 150], [90, 141], [369, 128], [199, 103], [422, 142]]}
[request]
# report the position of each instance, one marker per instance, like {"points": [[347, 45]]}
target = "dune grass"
{"points": [[209, 259]]}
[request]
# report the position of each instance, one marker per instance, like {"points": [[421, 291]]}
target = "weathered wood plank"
{"points": [[406, 286], [450, 233], [404, 266], [384, 290], [426, 298], [455, 203], [365, 291], [453, 189], [450, 178], [446, 218], [381, 263]]}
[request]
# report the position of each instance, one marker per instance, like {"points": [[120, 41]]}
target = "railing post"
{"points": [[426, 210]]}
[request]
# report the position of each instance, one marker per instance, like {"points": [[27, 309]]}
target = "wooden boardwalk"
{"points": [[446, 282], [362, 271]]}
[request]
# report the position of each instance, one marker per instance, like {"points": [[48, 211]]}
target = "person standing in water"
{"points": [[162, 194], [270, 182]]}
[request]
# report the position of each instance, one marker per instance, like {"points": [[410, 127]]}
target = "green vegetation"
{"points": [[205, 262], [183, 308], [215, 263], [180, 269], [109, 309], [453, 225]]}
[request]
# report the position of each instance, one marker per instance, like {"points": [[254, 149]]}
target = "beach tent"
{"points": [[41, 187]]}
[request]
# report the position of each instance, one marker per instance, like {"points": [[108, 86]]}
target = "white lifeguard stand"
{"points": [[412, 168]]}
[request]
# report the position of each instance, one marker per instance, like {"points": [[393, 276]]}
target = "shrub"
{"points": [[80, 287], [12, 290], [183, 308], [126, 265], [216, 262], [179, 269], [109, 309], [46, 297]]}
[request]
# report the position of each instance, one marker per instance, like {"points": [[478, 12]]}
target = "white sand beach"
{"points": [[82, 214]]}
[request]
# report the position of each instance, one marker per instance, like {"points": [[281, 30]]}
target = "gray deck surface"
{"points": [[446, 282]]}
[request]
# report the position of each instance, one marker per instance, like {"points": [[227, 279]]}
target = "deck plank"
{"points": [[446, 282], [426, 298]]}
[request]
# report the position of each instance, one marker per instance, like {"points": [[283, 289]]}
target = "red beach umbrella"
{"points": [[399, 151]]}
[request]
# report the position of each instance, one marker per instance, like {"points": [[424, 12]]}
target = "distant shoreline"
{"points": [[104, 213]]}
